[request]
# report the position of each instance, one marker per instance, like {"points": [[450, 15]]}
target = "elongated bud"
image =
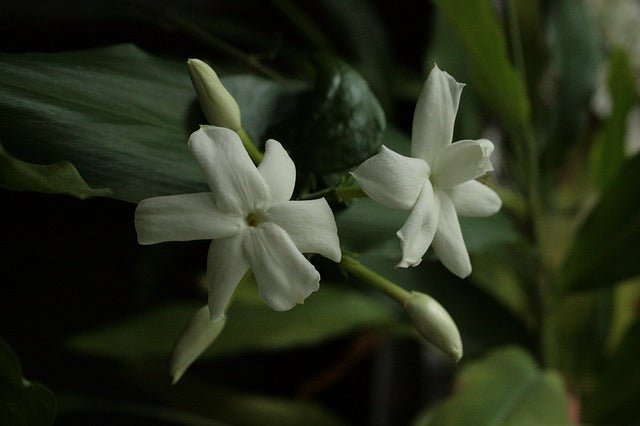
{"points": [[195, 338], [434, 323], [218, 105]]}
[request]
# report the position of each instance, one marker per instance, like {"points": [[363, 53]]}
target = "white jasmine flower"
{"points": [[437, 183], [250, 219]]}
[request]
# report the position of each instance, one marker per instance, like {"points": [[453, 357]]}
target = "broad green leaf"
{"points": [[504, 388], [22, 403], [607, 153], [606, 248], [494, 78], [122, 117], [251, 325], [57, 178], [575, 55], [339, 123], [614, 399]]}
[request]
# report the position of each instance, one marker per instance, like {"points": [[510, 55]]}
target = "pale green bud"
{"points": [[434, 323], [218, 105], [195, 338]]}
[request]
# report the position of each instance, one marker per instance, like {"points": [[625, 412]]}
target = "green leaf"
{"points": [[505, 388], [575, 55], [615, 397], [606, 248], [339, 123], [493, 77], [58, 178], [607, 153], [22, 403], [251, 325], [120, 115]]}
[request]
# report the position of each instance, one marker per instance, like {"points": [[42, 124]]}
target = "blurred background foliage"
{"points": [[95, 102]]}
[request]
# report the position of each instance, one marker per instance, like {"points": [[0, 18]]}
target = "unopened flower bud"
{"points": [[194, 339], [218, 105], [434, 323]]}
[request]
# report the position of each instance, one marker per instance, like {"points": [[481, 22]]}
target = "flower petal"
{"points": [[235, 182], [417, 232], [392, 179], [435, 115], [226, 265], [474, 199], [448, 242], [462, 161], [278, 171], [183, 218], [194, 339], [310, 224], [285, 277]]}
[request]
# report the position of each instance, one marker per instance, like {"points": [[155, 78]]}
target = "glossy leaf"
{"points": [[22, 403], [339, 123], [251, 325], [120, 115], [606, 248], [574, 50], [504, 388], [494, 78], [58, 178]]}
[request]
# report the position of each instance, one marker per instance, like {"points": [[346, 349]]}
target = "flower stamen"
{"points": [[253, 219]]}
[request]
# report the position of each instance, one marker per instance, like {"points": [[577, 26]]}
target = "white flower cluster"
{"points": [[254, 224]]}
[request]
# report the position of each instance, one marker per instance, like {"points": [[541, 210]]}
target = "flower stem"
{"points": [[253, 150], [367, 276], [348, 193], [528, 156]]}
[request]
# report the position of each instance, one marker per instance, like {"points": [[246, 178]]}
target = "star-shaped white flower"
{"points": [[250, 219], [437, 183]]}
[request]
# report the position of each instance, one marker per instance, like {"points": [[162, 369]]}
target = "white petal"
{"points": [[183, 218], [435, 115], [310, 224], [462, 161], [448, 242], [226, 265], [392, 179], [194, 339], [417, 232], [236, 184], [474, 199], [278, 171], [285, 277]]}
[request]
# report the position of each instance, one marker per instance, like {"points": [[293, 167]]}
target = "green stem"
{"points": [[348, 193], [255, 154], [528, 156], [367, 276]]}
